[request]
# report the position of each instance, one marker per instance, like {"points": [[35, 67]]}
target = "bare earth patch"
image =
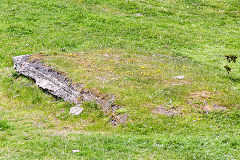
{"points": [[204, 101]]}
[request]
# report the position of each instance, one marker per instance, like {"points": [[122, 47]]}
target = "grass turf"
{"points": [[132, 49]]}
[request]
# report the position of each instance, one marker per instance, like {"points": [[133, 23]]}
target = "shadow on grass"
{"points": [[231, 78], [235, 79]]}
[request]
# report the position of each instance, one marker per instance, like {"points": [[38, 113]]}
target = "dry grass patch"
{"points": [[204, 101]]}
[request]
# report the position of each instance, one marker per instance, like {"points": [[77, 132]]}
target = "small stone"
{"points": [[177, 84], [76, 110], [75, 150], [139, 15], [179, 77]]}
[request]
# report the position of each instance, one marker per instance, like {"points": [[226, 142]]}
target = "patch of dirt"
{"points": [[199, 95], [204, 101], [118, 119]]}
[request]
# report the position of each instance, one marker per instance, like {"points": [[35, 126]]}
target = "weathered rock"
{"points": [[179, 77], [75, 150], [56, 83], [177, 84], [76, 110]]}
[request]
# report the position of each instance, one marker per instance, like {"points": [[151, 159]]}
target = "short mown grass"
{"points": [[132, 49]]}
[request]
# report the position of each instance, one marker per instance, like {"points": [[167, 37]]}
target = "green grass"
{"points": [[131, 49], [3, 125]]}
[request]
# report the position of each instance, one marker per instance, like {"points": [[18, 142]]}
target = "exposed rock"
{"points": [[179, 77], [76, 110], [57, 84], [177, 84], [75, 150]]}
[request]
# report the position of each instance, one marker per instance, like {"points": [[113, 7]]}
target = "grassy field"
{"points": [[132, 49]]}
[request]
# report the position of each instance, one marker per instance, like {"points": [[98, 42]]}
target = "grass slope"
{"points": [[131, 49]]}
